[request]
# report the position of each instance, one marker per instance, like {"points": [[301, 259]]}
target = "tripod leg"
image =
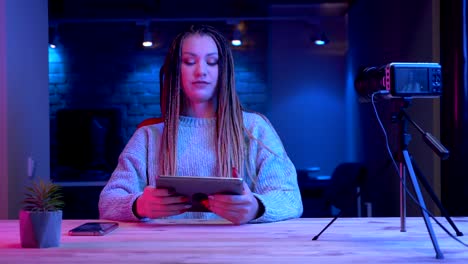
{"points": [[436, 200], [329, 224], [414, 180], [358, 195], [402, 197]]}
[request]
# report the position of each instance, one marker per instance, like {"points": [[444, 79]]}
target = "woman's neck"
{"points": [[200, 110]]}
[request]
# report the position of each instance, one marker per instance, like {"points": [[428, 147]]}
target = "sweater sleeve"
{"points": [[276, 184], [127, 181]]}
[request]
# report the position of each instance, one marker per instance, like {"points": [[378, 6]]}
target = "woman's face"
{"points": [[199, 69]]}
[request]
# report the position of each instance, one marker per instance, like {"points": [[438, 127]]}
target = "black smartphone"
{"points": [[93, 229]]}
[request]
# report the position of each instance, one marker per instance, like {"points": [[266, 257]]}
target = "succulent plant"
{"points": [[42, 197]]}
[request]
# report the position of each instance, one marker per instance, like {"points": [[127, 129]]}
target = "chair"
{"points": [[150, 121], [344, 191], [345, 188]]}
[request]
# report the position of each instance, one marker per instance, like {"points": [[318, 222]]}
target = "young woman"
{"points": [[203, 132]]}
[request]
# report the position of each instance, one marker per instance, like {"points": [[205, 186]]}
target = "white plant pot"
{"points": [[40, 229]]}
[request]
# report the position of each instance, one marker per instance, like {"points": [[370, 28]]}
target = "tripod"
{"points": [[406, 166]]}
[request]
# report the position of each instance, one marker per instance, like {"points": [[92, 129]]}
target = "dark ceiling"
{"points": [[63, 9], [319, 15]]}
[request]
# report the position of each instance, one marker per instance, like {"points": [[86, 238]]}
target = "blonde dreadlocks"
{"points": [[229, 123]]}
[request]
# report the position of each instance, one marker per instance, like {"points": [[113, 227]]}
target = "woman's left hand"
{"points": [[239, 209]]}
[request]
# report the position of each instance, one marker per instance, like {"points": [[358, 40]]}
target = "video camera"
{"points": [[401, 79]]}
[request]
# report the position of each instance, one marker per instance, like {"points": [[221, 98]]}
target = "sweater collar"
{"points": [[197, 122]]}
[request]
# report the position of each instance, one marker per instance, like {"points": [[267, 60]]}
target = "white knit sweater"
{"points": [[276, 187]]}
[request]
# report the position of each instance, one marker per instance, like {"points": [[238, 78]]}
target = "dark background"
{"points": [[374, 35]]}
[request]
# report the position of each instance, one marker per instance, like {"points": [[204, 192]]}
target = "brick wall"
{"points": [[104, 66]]}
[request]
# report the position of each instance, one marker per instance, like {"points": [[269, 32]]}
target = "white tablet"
{"points": [[198, 188]]}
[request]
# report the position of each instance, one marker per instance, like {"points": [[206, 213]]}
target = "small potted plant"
{"points": [[41, 216]]}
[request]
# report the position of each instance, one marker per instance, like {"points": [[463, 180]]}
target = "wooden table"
{"points": [[348, 240]]}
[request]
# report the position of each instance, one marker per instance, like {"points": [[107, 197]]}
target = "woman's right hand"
{"points": [[156, 203]]}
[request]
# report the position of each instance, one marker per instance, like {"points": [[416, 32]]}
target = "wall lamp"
{"points": [[236, 38], [53, 37], [147, 36], [321, 40]]}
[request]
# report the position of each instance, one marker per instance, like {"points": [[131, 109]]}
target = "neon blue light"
{"points": [[236, 42], [319, 42]]}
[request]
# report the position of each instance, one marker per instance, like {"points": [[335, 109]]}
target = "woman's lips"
{"points": [[200, 83]]}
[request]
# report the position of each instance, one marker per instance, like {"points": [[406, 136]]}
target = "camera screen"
{"points": [[411, 80]]}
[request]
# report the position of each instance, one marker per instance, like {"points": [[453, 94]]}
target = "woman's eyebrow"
{"points": [[189, 53]]}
